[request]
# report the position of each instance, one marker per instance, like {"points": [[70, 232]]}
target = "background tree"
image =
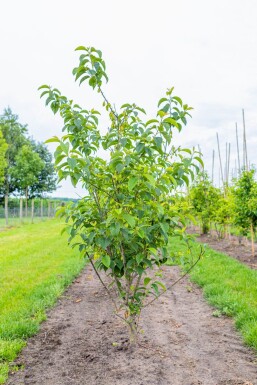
{"points": [[3, 163], [123, 223], [204, 198], [14, 135], [28, 166], [47, 178], [245, 192]]}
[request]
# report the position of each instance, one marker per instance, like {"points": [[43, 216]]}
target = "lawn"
{"points": [[227, 284], [35, 267]]}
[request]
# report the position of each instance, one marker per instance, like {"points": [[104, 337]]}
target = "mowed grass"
{"points": [[36, 265], [16, 222], [227, 284]]}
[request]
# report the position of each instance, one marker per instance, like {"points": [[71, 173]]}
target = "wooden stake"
{"points": [[244, 143], [21, 209], [221, 171], [238, 156], [212, 173], [228, 164]]}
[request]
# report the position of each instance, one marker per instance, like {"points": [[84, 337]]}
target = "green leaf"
{"points": [[199, 160], [72, 162], [146, 281], [178, 100], [106, 261], [132, 183], [81, 48], [158, 141], [161, 101], [171, 121], [153, 250], [151, 179], [129, 219], [54, 139]]}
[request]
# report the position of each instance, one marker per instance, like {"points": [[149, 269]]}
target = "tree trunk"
{"points": [[41, 208], [32, 210], [252, 239], [21, 209], [49, 208], [6, 208], [132, 330], [26, 203]]}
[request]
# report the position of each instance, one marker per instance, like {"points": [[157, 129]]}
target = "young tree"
{"points": [[204, 198], [3, 163], [124, 222], [14, 135], [245, 193]]}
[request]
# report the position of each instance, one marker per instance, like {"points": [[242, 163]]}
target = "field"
{"points": [[183, 338], [36, 266]]}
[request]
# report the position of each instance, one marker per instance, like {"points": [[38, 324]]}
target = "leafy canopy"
{"points": [[130, 174]]}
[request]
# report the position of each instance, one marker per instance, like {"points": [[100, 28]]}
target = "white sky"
{"points": [[206, 49]]}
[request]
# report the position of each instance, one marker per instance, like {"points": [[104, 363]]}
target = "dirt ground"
{"points": [[233, 246], [82, 343]]}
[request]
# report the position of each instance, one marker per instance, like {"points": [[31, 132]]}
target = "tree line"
{"points": [[26, 168], [232, 208]]}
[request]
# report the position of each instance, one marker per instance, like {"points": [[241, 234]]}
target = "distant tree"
{"points": [[47, 179], [3, 163], [204, 199], [245, 193], [14, 135], [28, 166]]}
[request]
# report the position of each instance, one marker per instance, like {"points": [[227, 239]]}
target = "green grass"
{"points": [[36, 265], [16, 222], [228, 285]]}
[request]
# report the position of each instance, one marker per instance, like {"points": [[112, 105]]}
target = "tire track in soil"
{"points": [[182, 344]]}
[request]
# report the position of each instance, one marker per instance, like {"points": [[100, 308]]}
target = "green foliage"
{"points": [[14, 135], [245, 193], [27, 167], [204, 198], [125, 219], [3, 162], [46, 181]]}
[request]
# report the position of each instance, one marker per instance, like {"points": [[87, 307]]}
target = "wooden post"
{"points": [[41, 208], [244, 144], [32, 210], [26, 203], [221, 171], [6, 208], [238, 156], [212, 173], [228, 164], [49, 208], [21, 209]]}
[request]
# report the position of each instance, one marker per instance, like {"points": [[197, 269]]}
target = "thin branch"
{"points": [[177, 281]]}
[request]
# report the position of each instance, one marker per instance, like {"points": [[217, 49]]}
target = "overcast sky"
{"points": [[206, 49]]}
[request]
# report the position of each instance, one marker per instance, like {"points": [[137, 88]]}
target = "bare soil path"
{"points": [[82, 343]]}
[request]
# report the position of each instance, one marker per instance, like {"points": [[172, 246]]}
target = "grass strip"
{"points": [[36, 265], [227, 284]]}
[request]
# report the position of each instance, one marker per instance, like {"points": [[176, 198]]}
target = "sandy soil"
{"points": [[82, 343], [234, 246]]}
